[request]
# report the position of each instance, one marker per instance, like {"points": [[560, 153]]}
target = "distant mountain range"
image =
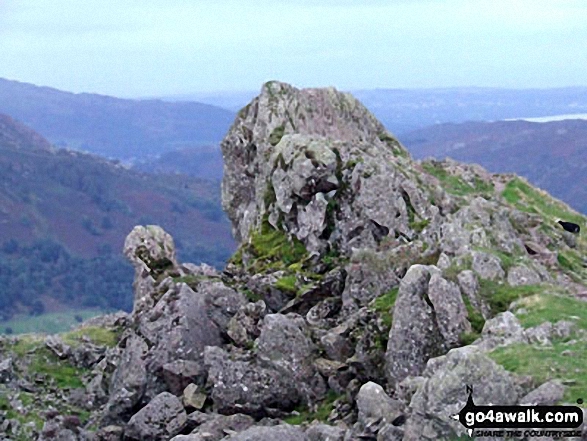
{"points": [[552, 155], [112, 127], [64, 216], [404, 110]]}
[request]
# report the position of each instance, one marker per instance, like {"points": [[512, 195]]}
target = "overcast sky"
{"points": [[132, 48]]}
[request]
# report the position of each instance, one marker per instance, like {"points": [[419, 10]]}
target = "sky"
{"points": [[147, 48]]}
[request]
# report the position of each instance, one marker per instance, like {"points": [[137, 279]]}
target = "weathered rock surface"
{"points": [[129, 381], [415, 336], [282, 433], [487, 265], [444, 394], [375, 406], [547, 394], [243, 387], [450, 310], [283, 347], [161, 419], [218, 427], [307, 165], [243, 326], [151, 251], [522, 275], [504, 329], [324, 432], [6, 372], [178, 327]]}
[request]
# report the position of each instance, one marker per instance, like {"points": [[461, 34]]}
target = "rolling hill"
{"points": [[551, 155], [112, 127]]}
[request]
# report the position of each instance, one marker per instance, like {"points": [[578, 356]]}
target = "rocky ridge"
{"points": [[367, 292]]}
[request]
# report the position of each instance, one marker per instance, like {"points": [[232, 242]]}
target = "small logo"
{"points": [[474, 417]]}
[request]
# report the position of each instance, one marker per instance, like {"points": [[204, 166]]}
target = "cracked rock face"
{"points": [[161, 419], [243, 387], [415, 336], [294, 155]]}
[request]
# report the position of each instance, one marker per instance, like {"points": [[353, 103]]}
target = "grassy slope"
{"points": [[50, 323], [564, 359]]}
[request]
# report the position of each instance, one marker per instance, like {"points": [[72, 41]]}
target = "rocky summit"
{"points": [[367, 292]]}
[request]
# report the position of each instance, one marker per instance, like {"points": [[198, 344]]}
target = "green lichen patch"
{"points": [[287, 284], [252, 296], [276, 135], [419, 225]]}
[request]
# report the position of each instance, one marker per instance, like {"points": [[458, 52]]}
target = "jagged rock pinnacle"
{"points": [[290, 155]]}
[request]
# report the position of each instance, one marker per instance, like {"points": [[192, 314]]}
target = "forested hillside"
{"points": [[64, 216]]}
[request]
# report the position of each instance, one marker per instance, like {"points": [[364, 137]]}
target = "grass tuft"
{"points": [[97, 335], [273, 249], [61, 372], [564, 359], [321, 413], [384, 305], [453, 184], [499, 296]]}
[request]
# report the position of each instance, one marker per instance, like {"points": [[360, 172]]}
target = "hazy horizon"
{"points": [[153, 48]]}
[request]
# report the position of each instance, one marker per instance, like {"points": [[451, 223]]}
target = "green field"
{"points": [[51, 323]]}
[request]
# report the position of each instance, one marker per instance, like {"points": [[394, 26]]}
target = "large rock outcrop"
{"points": [[368, 290], [293, 155]]}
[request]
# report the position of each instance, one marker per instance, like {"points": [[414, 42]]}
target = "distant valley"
{"points": [[550, 154]]}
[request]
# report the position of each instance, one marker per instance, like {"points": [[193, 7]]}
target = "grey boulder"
{"points": [[415, 336], [161, 419], [275, 433]]}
